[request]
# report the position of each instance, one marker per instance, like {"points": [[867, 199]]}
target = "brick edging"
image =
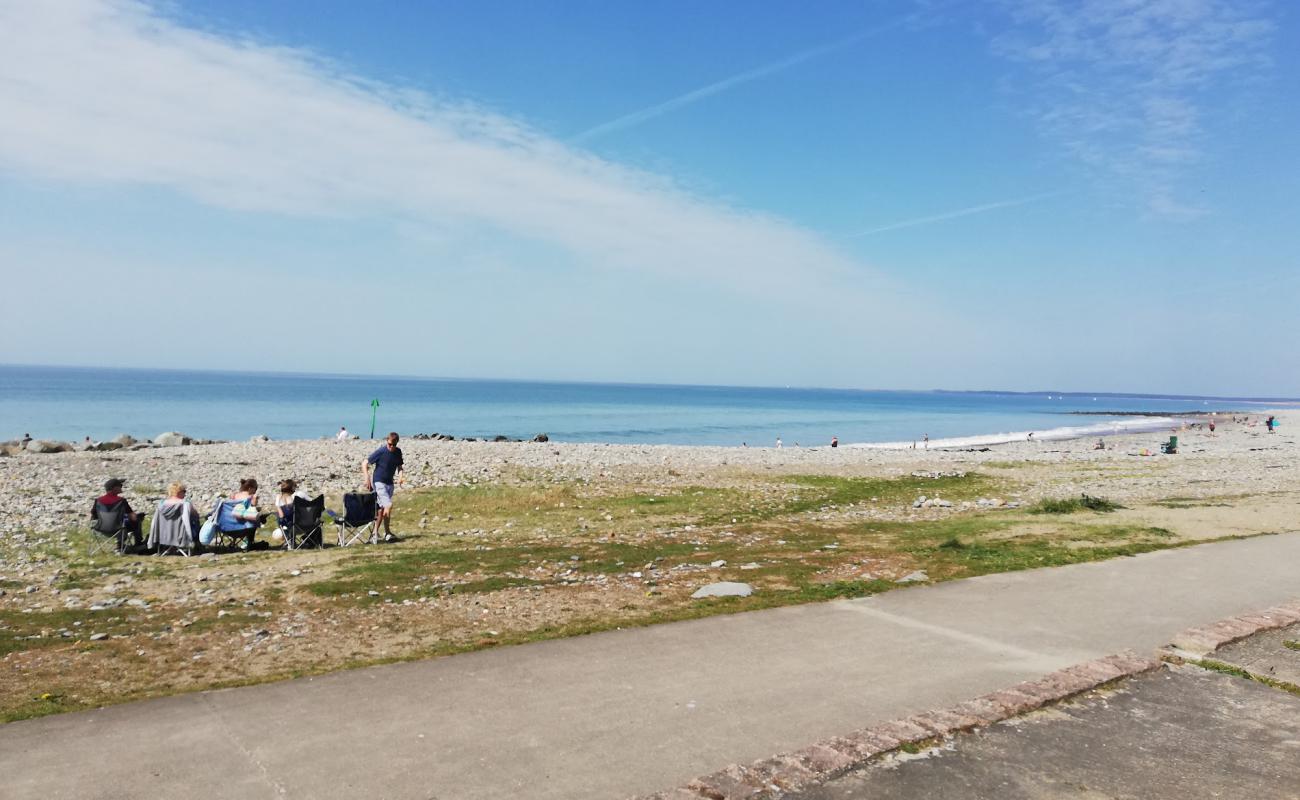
{"points": [[829, 758], [1201, 641], [832, 757]]}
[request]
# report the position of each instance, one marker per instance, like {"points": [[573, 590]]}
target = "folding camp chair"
{"points": [[174, 534], [305, 528], [230, 528], [358, 520], [110, 527], [1170, 447]]}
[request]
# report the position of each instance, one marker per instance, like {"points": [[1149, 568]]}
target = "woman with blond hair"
{"points": [[176, 522]]}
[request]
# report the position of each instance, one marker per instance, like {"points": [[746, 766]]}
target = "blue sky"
{"points": [[1093, 195]]}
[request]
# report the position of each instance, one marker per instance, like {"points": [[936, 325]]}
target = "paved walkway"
{"points": [[1172, 735], [627, 712]]}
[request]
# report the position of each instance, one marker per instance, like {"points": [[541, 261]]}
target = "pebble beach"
{"points": [[49, 492]]}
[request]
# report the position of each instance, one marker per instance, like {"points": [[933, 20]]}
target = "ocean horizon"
{"points": [[70, 403]]}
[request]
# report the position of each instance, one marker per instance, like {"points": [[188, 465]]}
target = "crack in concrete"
{"points": [[1044, 662], [262, 771]]}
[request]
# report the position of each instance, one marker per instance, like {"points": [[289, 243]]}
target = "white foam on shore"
{"points": [[1110, 428]]}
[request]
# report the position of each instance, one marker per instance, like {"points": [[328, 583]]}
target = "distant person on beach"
{"points": [[1211, 426], [835, 441], [778, 443], [1101, 445], [27, 438], [1030, 437], [1271, 422], [387, 461], [925, 440], [342, 435]]}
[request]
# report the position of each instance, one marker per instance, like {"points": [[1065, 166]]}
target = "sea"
{"points": [[70, 403]]}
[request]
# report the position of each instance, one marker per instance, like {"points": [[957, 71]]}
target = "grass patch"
{"points": [[1084, 502], [495, 584], [839, 590], [815, 492], [1291, 644], [1192, 502], [39, 629]]}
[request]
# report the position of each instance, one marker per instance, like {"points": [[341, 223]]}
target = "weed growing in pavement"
{"points": [[1238, 672]]}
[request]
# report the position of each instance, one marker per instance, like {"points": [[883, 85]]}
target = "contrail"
{"points": [[964, 212], [637, 117]]}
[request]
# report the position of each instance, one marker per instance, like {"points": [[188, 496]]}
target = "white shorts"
{"points": [[385, 493]]}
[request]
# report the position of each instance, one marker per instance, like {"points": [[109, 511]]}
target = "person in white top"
{"points": [[343, 434]]}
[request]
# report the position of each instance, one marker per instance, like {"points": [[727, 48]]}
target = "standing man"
{"points": [[387, 461]]}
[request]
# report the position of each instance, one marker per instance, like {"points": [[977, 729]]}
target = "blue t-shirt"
{"points": [[387, 463]]}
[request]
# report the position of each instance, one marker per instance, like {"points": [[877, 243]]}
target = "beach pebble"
{"points": [[724, 589]]}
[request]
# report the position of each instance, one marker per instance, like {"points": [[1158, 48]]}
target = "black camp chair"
{"points": [[358, 520], [110, 527], [305, 527]]}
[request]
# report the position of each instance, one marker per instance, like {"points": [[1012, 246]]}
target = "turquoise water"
{"points": [[70, 403]]}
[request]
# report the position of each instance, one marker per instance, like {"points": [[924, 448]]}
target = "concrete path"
{"points": [[627, 712], [1171, 735]]}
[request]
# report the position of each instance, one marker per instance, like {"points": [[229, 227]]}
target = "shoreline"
{"points": [[1148, 424], [1131, 422]]}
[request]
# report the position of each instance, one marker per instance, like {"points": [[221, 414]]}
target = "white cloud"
{"points": [[1124, 83], [115, 92]]}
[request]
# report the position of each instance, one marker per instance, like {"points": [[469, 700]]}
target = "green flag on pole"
{"points": [[374, 409]]}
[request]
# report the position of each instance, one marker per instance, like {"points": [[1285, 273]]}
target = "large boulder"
{"points": [[541, 437], [259, 438], [106, 446], [123, 440], [172, 439], [47, 446]]}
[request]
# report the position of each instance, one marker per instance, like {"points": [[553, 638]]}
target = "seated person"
{"points": [[172, 526], [111, 497], [247, 494], [284, 502]]}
